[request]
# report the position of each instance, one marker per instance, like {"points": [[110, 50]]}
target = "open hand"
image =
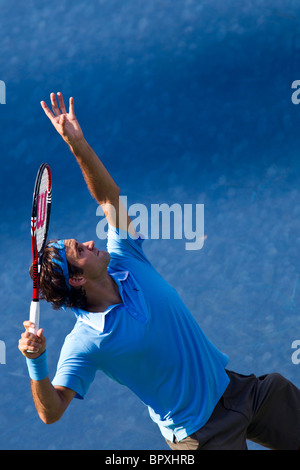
{"points": [[64, 122]]}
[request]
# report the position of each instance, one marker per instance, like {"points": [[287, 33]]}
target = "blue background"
{"points": [[186, 102]]}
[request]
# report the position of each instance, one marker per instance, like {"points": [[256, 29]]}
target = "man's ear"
{"points": [[77, 281]]}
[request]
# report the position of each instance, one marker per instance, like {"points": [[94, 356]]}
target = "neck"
{"points": [[102, 293]]}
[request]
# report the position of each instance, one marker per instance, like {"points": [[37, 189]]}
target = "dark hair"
{"points": [[53, 286]]}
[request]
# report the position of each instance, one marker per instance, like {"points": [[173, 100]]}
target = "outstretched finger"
{"points": [[54, 104], [61, 103], [71, 107], [47, 111]]}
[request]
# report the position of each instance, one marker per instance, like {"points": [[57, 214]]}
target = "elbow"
{"points": [[49, 419], [115, 194], [112, 198]]}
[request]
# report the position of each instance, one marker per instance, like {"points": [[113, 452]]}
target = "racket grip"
{"points": [[34, 315]]}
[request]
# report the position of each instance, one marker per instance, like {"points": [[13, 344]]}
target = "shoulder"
{"points": [[121, 244], [80, 341]]}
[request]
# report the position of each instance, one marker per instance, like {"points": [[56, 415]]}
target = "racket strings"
{"points": [[42, 213]]}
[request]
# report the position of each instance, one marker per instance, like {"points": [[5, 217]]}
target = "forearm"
{"points": [[100, 183], [49, 402]]}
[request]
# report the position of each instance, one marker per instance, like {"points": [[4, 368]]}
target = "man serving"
{"points": [[132, 325]]}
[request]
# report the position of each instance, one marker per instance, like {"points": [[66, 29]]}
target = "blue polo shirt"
{"points": [[150, 343]]}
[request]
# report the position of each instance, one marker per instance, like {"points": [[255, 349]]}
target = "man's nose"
{"points": [[90, 245]]}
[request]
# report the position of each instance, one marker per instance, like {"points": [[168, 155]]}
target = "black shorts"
{"points": [[265, 410]]}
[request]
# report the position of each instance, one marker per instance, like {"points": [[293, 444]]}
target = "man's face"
{"points": [[86, 256]]}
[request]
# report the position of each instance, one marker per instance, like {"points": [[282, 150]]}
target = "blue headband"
{"points": [[62, 263]]}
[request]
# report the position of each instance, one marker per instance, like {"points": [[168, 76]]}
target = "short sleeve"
{"points": [[120, 244], [75, 368]]}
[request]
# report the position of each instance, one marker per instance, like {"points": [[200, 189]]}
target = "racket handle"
{"points": [[34, 315]]}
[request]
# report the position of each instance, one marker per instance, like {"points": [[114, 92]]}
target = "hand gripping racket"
{"points": [[40, 217]]}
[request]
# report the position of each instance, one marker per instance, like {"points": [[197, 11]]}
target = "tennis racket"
{"points": [[40, 217]]}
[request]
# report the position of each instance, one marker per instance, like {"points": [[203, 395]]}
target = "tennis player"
{"points": [[132, 325]]}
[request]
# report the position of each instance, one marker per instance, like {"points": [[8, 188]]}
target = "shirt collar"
{"points": [[118, 275], [97, 319]]}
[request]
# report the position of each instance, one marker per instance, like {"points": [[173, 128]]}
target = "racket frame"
{"points": [[37, 255]]}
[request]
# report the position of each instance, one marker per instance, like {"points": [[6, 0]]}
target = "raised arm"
{"points": [[99, 182]]}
